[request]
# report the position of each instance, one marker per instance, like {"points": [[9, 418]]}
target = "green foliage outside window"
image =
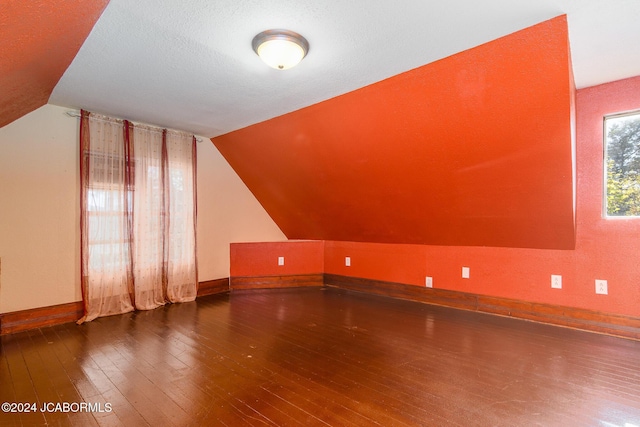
{"points": [[622, 138]]}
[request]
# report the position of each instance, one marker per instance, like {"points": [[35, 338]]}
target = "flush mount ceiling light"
{"points": [[280, 49]]}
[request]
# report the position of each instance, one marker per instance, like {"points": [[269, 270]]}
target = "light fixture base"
{"points": [[280, 49]]}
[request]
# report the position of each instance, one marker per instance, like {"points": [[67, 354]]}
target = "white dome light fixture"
{"points": [[280, 49]]}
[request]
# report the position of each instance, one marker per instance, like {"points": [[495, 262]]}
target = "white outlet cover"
{"points": [[428, 282], [465, 272], [280, 260], [602, 287], [347, 261], [556, 281]]}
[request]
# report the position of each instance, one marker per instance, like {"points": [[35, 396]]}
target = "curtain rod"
{"points": [[76, 114]]}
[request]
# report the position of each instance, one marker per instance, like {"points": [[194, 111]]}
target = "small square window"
{"points": [[622, 165]]}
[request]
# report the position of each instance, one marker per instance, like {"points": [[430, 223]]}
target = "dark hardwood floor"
{"points": [[317, 357]]}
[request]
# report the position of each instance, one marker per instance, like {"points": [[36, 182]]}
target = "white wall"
{"points": [[227, 212], [39, 235], [39, 212]]}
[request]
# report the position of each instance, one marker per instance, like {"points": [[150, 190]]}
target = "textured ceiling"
{"points": [[188, 64]]}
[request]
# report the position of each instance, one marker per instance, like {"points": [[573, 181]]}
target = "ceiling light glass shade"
{"points": [[280, 49]]}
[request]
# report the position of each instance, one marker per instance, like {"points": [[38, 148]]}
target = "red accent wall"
{"points": [[472, 150], [40, 38], [607, 249], [261, 259]]}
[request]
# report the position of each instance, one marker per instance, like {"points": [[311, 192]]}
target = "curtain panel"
{"points": [[138, 216]]}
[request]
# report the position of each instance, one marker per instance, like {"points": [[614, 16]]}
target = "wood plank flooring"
{"points": [[318, 357]]}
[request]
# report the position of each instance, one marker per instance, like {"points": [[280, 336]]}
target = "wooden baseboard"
{"points": [[271, 282], [18, 321], [578, 318], [210, 287]]}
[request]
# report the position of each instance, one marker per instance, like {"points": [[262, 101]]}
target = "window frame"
{"points": [[605, 168]]}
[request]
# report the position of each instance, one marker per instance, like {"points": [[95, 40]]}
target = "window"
{"points": [[105, 214], [107, 206], [622, 165], [138, 212]]}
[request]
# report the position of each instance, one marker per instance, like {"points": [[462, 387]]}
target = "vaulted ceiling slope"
{"points": [[474, 149], [40, 38], [188, 64]]}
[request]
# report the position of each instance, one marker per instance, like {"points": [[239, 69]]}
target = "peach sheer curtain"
{"points": [[138, 219]]}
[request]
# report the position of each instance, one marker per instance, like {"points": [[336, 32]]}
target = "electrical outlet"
{"points": [[602, 287], [428, 282], [347, 261], [465, 272], [280, 260], [556, 281]]}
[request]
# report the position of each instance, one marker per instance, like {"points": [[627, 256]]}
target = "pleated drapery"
{"points": [[138, 216]]}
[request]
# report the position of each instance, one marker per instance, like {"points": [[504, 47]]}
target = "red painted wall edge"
{"points": [[606, 249], [473, 149]]}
